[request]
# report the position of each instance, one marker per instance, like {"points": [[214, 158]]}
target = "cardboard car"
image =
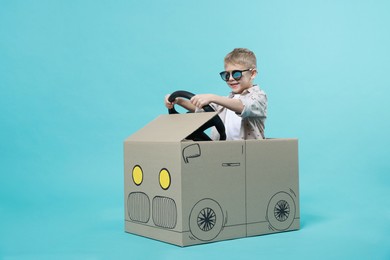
{"points": [[187, 192]]}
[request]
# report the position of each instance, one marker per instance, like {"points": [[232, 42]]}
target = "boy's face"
{"points": [[245, 82]]}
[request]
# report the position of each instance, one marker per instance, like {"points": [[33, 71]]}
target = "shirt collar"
{"points": [[246, 91]]}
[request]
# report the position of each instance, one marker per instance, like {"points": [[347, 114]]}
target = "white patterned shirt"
{"points": [[252, 116]]}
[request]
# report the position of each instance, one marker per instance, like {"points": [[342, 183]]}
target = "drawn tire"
{"points": [[281, 211], [206, 220]]}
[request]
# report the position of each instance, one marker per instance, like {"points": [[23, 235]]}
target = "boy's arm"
{"points": [[186, 104], [202, 100], [181, 102]]}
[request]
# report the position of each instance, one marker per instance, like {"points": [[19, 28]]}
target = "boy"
{"points": [[245, 109]]}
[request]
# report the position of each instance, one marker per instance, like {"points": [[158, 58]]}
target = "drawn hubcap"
{"points": [[282, 210], [206, 219]]}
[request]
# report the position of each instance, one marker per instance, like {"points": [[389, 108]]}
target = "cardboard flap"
{"points": [[171, 128]]}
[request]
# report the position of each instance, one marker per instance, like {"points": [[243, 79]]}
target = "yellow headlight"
{"points": [[165, 179], [137, 175]]}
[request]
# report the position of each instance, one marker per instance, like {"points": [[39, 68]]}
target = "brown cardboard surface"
{"points": [[200, 192], [171, 128], [272, 174]]}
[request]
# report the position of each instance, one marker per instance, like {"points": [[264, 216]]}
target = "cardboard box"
{"points": [[186, 193]]}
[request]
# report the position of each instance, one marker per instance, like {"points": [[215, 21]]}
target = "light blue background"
{"points": [[79, 76]]}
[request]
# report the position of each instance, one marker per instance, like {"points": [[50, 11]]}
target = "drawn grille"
{"points": [[138, 207], [164, 212]]}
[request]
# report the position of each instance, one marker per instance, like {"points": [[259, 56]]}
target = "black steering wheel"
{"points": [[199, 134]]}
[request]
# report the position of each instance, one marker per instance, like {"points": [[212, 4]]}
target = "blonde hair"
{"points": [[241, 56]]}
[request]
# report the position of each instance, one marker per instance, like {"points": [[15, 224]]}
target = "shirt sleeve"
{"points": [[255, 105]]}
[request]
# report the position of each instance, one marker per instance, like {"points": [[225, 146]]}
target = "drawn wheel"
{"points": [[206, 220], [281, 211]]}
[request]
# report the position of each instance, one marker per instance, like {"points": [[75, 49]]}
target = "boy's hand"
{"points": [[168, 104], [202, 100]]}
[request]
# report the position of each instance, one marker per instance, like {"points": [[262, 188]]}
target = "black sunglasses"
{"points": [[236, 74]]}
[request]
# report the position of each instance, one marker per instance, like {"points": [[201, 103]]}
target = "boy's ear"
{"points": [[254, 74]]}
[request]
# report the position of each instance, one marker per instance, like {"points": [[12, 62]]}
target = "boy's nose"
{"points": [[231, 78]]}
